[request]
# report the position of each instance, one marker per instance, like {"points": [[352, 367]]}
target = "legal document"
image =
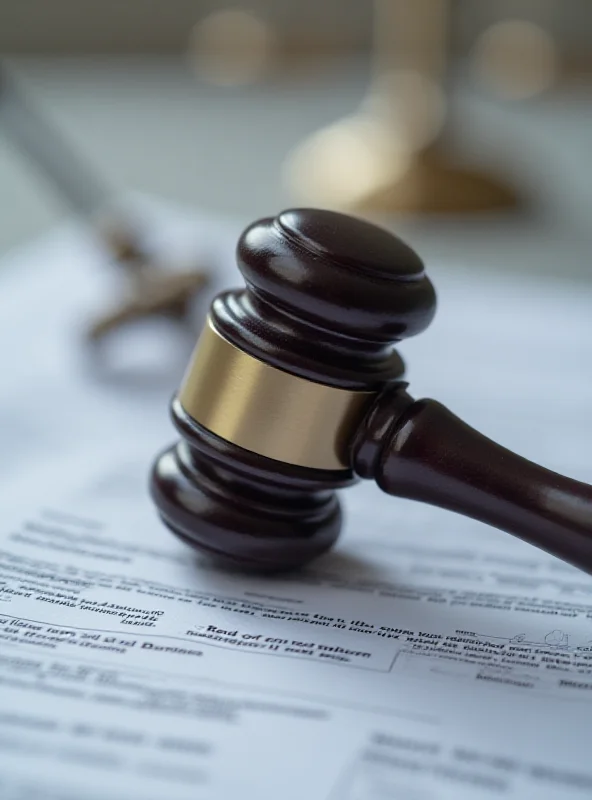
{"points": [[428, 656]]}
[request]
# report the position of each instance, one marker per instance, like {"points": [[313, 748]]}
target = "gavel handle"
{"points": [[421, 451]]}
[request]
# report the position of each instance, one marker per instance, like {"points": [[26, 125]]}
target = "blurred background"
{"points": [[467, 121]]}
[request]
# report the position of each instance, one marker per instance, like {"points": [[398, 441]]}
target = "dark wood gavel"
{"points": [[295, 389]]}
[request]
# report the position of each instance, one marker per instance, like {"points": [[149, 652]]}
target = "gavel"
{"points": [[295, 389]]}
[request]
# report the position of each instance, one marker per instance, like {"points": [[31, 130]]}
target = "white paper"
{"points": [[428, 656]]}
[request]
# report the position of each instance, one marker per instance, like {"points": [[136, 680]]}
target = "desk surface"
{"points": [[77, 443]]}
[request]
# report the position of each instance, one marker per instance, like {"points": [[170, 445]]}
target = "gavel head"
{"points": [[279, 383]]}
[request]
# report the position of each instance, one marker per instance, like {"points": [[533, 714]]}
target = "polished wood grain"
{"points": [[420, 450], [327, 298], [243, 509]]}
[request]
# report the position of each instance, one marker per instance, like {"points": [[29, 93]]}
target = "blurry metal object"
{"points": [[516, 59], [231, 47], [150, 291], [389, 155]]}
